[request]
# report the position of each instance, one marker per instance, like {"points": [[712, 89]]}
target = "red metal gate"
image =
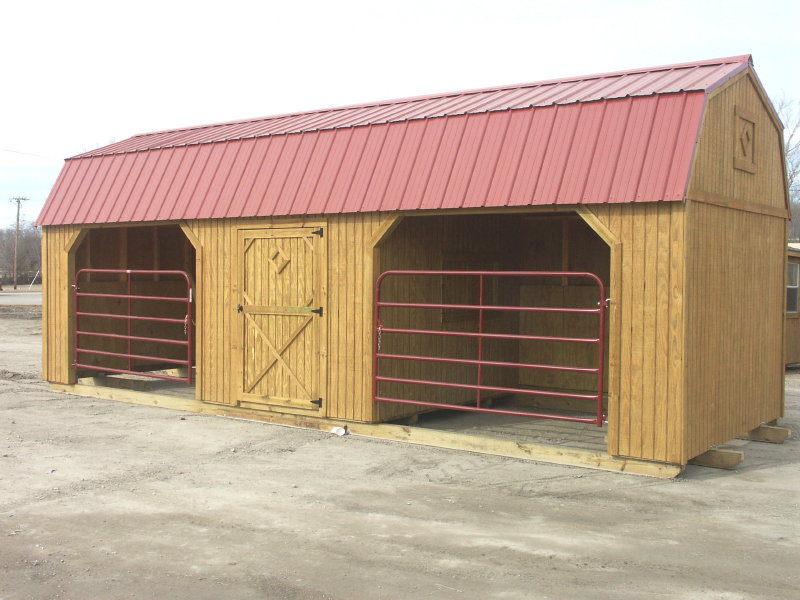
{"points": [[480, 335], [127, 316]]}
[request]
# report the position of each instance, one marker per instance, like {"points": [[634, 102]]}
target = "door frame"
{"points": [[320, 324]]}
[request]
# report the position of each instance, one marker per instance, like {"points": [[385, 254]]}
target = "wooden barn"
{"points": [[602, 254]]}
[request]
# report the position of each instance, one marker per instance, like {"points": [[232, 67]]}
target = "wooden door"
{"points": [[282, 318]]}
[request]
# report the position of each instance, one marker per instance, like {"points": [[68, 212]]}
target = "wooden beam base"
{"points": [[768, 433], [719, 459], [415, 435]]}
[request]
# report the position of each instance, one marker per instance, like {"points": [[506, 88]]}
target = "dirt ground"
{"points": [[100, 499]]}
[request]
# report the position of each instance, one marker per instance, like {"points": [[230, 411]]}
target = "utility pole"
{"points": [[16, 237]]}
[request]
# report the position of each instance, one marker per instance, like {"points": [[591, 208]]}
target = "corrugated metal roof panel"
{"points": [[641, 82], [467, 149]]}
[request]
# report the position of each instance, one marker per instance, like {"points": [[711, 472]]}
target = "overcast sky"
{"points": [[80, 74]]}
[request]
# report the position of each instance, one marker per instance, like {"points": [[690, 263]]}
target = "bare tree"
{"points": [[29, 253], [789, 112]]}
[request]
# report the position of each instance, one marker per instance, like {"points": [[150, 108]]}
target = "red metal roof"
{"points": [[617, 137]]}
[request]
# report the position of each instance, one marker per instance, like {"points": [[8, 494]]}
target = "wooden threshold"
{"points": [[414, 435]]}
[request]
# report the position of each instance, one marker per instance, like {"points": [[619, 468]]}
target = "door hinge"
{"points": [[317, 311], [318, 402], [318, 232]]}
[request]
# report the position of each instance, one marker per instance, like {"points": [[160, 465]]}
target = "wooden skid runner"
{"points": [[426, 437]]}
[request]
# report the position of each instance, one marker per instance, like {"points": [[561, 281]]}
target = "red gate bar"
{"points": [[480, 335], [129, 318]]}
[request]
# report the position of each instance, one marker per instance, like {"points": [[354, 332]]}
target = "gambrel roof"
{"points": [[616, 137]]}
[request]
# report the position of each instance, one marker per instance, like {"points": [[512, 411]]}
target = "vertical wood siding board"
{"points": [[58, 278], [231, 271], [614, 223], [330, 172], [359, 314], [649, 362], [45, 370], [369, 282], [455, 195], [259, 200], [602, 173], [488, 160], [375, 195], [342, 350], [558, 161], [509, 157], [444, 162], [626, 323], [532, 158], [365, 171], [680, 288], [662, 341], [347, 322], [352, 313], [638, 331], [213, 292], [312, 170]]}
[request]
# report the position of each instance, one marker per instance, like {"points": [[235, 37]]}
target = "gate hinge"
{"points": [[318, 402], [317, 311], [318, 232]]}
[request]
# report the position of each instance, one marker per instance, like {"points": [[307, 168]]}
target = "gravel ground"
{"points": [[100, 499]]}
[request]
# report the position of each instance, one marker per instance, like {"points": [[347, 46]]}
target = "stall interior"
{"points": [[552, 243]]}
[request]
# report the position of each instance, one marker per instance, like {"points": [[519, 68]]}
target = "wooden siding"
{"points": [[715, 177], [646, 411], [348, 312], [735, 298], [792, 327], [57, 277]]}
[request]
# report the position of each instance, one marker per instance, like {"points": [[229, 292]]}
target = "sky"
{"points": [[81, 74]]}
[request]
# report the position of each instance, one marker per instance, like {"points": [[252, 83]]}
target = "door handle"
{"points": [[239, 308]]}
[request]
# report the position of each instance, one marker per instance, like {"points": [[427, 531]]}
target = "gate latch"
{"points": [[239, 308], [317, 311]]}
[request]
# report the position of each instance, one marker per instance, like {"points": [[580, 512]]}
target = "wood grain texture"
{"points": [[714, 172], [646, 334], [734, 305]]}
